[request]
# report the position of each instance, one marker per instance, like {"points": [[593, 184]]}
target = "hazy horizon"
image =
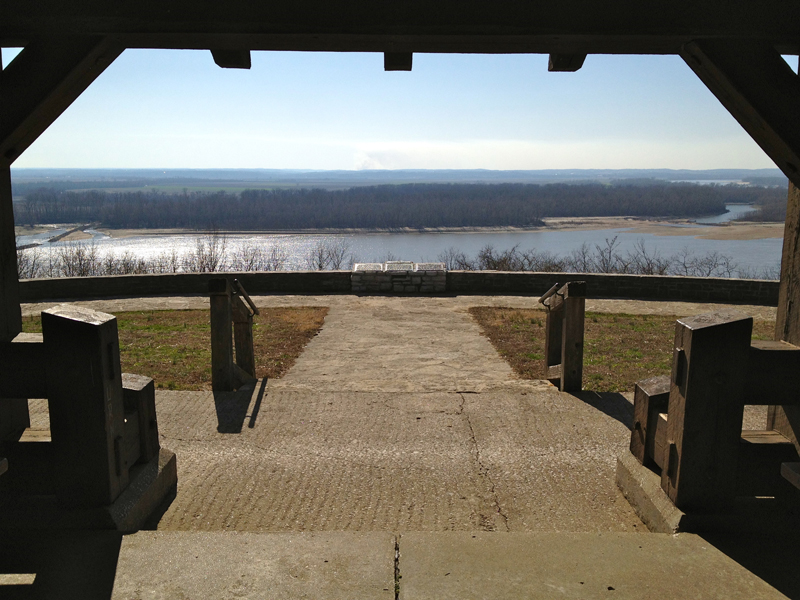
{"points": [[172, 109]]}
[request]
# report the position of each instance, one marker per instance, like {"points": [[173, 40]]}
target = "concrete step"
{"points": [[409, 566]]}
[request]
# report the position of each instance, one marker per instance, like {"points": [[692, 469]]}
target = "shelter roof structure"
{"points": [[735, 48]]}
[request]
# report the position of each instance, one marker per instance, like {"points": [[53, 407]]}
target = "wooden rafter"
{"points": [[42, 81], [751, 80]]}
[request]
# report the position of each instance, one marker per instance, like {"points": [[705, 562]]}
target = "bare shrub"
{"points": [[455, 260], [248, 256], [580, 259], [543, 262], [167, 262], [275, 259], [209, 255], [329, 254], [79, 260], [644, 262], [29, 263]]}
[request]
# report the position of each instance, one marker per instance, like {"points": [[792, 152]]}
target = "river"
{"points": [[752, 254]]}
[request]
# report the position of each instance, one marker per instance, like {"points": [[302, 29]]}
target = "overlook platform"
{"points": [[399, 457]]}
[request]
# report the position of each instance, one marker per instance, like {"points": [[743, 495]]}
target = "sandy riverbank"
{"points": [[673, 227], [725, 231]]}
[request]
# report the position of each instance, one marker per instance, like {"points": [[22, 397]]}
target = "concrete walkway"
{"points": [[400, 444]]}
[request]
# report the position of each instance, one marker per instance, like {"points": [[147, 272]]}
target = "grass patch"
{"points": [[174, 346], [619, 349]]}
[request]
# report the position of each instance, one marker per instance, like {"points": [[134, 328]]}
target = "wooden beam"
{"points": [[773, 374], [462, 25], [758, 463], [10, 314], [232, 59], [23, 374], [786, 420], [565, 63], [42, 81], [397, 61], [752, 81]]}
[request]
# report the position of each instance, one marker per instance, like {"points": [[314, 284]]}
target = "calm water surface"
{"points": [[422, 247]]}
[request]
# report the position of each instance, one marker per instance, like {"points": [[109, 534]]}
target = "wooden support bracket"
{"points": [[42, 81], [397, 61], [232, 59], [752, 81], [565, 63]]}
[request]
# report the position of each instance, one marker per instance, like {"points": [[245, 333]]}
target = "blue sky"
{"points": [[177, 109]]}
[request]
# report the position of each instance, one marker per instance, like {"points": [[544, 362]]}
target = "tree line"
{"points": [[414, 206]]}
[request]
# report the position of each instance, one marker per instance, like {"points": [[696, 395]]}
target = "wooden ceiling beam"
{"points": [[759, 89], [624, 26], [42, 81]]}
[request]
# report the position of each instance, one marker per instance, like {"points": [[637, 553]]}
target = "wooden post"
{"points": [[572, 340], [14, 416], [553, 330], [10, 313], [243, 337], [786, 419], [650, 398], [563, 346], [84, 386], [706, 408], [139, 396], [222, 372]]}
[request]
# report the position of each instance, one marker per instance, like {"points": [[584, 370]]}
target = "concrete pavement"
{"points": [[400, 426]]}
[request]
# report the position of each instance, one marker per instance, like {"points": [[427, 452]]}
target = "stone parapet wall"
{"points": [[651, 287], [276, 282]]}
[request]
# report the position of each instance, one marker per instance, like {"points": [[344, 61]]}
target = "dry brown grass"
{"points": [[619, 349], [174, 348]]}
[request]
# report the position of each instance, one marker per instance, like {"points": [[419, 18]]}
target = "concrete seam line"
{"points": [[396, 567]]}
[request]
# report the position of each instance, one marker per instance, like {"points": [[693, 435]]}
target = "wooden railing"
{"points": [[232, 312], [563, 349]]}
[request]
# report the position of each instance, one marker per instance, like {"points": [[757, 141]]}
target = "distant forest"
{"points": [[414, 206]]}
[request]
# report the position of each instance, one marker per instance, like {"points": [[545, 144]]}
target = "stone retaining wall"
{"points": [[457, 282]]}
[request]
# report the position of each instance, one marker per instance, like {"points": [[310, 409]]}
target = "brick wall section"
{"points": [[458, 282], [406, 282]]}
